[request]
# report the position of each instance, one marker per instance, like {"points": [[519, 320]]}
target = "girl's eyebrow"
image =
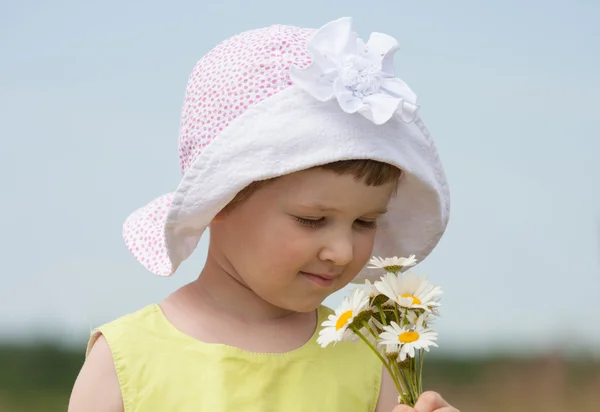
{"points": [[324, 208]]}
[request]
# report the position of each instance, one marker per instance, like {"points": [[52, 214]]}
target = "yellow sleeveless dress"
{"points": [[161, 369]]}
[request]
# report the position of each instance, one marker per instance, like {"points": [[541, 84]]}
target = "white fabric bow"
{"points": [[360, 76]]}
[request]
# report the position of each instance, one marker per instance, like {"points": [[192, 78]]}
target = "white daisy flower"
{"points": [[425, 318], [410, 291], [393, 264], [370, 289], [372, 292], [335, 328], [406, 339]]}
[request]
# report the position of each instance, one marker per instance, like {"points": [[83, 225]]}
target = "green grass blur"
{"points": [[39, 378]]}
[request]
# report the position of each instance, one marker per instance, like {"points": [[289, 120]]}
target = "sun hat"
{"points": [[280, 99]]}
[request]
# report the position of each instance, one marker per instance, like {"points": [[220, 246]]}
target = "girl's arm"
{"points": [[388, 394], [97, 387]]}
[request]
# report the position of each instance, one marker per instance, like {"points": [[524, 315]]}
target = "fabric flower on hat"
{"points": [[360, 76]]}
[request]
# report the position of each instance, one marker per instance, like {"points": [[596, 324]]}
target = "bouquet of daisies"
{"points": [[392, 316]]}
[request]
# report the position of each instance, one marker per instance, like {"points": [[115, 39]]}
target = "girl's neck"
{"points": [[219, 290], [218, 308]]}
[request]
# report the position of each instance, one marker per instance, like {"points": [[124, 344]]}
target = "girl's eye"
{"points": [[310, 222], [366, 224], [363, 224]]}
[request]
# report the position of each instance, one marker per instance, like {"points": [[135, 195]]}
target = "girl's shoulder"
{"points": [[142, 319], [97, 387]]}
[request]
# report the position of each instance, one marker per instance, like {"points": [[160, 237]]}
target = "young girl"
{"points": [[303, 153]]}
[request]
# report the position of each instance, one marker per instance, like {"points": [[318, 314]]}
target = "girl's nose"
{"points": [[339, 249]]}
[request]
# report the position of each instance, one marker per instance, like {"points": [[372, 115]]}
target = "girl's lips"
{"points": [[320, 280]]}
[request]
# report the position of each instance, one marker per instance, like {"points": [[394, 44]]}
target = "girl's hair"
{"points": [[371, 172]]}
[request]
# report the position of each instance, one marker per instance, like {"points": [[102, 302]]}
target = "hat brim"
{"points": [[144, 234], [289, 132]]}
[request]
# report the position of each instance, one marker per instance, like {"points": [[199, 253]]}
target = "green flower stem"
{"points": [[410, 386], [393, 374], [407, 399], [414, 386], [421, 359], [360, 335], [366, 324], [387, 366], [413, 372], [383, 320]]}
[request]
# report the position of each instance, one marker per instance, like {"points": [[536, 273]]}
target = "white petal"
{"points": [[393, 327], [314, 81], [398, 88], [411, 283], [402, 356], [408, 112], [405, 302], [392, 348], [370, 288], [327, 336], [332, 39], [352, 44], [359, 298], [409, 261], [380, 107], [411, 351], [381, 50], [348, 102], [376, 263], [385, 289], [429, 337], [362, 49], [388, 338], [392, 282]]}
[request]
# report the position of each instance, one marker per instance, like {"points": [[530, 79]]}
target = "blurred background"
{"points": [[90, 99]]}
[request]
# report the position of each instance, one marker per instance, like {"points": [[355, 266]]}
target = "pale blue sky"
{"points": [[90, 96]]}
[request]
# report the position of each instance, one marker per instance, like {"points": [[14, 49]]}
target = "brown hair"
{"points": [[371, 172]]}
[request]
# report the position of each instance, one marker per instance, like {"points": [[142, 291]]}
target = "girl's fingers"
{"points": [[428, 402], [403, 408], [432, 402]]}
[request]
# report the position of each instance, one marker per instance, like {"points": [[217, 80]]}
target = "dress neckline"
{"points": [[321, 313]]}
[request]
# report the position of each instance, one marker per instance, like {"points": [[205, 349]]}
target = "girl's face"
{"points": [[301, 237]]}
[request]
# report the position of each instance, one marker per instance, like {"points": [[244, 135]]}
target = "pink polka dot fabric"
{"points": [[144, 235], [235, 75], [238, 73]]}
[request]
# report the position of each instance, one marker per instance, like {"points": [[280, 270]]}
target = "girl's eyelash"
{"points": [[366, 224], [319, 222], [310, 222]]}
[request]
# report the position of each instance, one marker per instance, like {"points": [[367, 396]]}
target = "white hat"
{"points": [[276, 100]]}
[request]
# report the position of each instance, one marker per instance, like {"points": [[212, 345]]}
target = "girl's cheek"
{"points": [[365, 246]]}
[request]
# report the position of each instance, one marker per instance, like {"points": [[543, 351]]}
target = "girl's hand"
{"points": [[428, 402]]}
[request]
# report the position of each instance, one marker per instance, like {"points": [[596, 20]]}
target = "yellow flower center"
{"points": [[415, 300], [343, 319], [406, 337]]}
